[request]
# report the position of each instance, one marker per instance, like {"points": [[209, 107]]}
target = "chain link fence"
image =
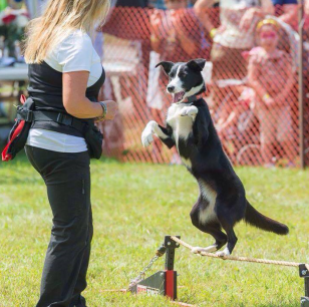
{"points": [[252, 89]]}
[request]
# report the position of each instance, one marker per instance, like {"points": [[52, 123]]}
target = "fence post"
{"points": [[301, 91]]}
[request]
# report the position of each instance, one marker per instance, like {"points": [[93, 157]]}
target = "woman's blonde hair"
{"points": [[60, 19]]}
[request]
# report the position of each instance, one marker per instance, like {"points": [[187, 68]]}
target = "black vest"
{"points": [[45, 88]]}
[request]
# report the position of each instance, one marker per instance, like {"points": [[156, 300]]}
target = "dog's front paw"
{"points": [[147, 135], [189, 111]]}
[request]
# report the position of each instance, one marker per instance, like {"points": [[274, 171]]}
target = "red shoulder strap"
{"points": [[22, 99]]}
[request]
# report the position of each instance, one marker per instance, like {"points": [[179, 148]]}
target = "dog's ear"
{"points": [[197, 64], [167, 66]]}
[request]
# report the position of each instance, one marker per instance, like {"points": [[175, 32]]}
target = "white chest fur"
{"points": [[209, 195], [181, 120], [182, 125]]}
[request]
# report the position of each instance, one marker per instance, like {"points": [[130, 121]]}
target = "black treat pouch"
{"points": [[94, 139]]}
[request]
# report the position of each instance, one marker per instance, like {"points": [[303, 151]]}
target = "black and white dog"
{"points": [[222, 201]]}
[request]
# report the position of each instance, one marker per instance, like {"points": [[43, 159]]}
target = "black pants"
{"points": [[67, 178]]}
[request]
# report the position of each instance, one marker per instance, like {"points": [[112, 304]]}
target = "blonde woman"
{"points": [[65, 75]]}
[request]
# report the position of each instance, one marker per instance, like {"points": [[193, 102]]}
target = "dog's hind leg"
{"points": [[227, 224], [213, 228], [220, 239], [231, 242]]}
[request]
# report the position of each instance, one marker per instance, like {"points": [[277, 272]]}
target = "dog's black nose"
{"points": [[170, 88]]}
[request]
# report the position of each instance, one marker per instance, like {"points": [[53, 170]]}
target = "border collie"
{"points": [[222, 200]]}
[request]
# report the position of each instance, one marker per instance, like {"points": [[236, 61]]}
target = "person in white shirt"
{"points": [[65, 76], [236, 34]]}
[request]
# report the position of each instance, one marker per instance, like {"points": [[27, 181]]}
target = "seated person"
{"points": [[230, 112], [287, 11], [238, 20], [176, 34]]}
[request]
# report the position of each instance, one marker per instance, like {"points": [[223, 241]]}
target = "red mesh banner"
{"points": [[251, 76]]}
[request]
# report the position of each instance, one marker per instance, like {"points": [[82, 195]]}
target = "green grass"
{"points": [[134, 206]]}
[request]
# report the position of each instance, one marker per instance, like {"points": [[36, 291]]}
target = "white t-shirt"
{"points": [[74, 53], [231, 13]]}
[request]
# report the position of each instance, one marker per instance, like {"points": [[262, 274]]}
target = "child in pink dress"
{"points": [[271, 76]]}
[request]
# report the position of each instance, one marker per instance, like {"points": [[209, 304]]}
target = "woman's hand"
{"points": [[155, 23], [111, 109], [155, 28], [247, 19], [187, 44], [216, 31], [176, 17], [269, 102]]}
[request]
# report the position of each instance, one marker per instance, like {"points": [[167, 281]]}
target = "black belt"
{"points": [[61, 118]]}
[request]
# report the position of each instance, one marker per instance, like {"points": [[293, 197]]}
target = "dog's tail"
{"points": [[259, 220]]}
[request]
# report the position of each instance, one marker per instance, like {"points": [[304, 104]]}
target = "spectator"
{"points": [[235, 121], [13, 20], [236, 34], [15, 4], [3, 5], [270, 75], [287, 11], [230, 112], [176, 35]]}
